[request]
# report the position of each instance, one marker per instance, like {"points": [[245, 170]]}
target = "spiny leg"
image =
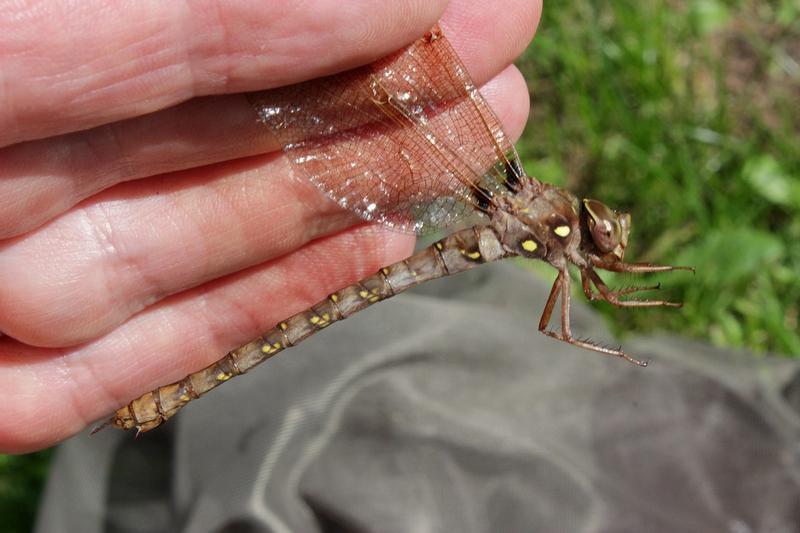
{"points": [[635, 268], [611, 296], [592, 297], [561, 288]]}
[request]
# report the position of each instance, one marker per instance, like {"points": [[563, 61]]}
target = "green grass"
{"points": [[686, 114], [21, 481]]}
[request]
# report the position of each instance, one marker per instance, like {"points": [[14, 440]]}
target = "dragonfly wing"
{"points": [[406, 141]]}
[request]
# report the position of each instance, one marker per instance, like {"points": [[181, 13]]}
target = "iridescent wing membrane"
{"points": [[406, 141]]}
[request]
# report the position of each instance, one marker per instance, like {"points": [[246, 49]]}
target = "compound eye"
{"points": [[603, 224]]}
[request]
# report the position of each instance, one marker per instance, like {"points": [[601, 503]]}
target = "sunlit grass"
{"points": [[686, 114]]}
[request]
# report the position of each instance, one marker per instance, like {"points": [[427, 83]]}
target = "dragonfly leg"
{"points": [[587, 287], [561, 289], [637, 288], [635, 268], [544, 321], [612, 296], [592, 297]]}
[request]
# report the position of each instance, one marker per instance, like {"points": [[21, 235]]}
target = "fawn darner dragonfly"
{"points": [[409, 141]]}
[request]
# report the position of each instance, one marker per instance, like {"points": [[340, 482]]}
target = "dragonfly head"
{"points": [[607, 229]]}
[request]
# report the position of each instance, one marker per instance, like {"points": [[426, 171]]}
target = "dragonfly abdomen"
{"points": [[457, 252]]}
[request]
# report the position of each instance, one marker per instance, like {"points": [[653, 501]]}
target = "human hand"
{"points": [[141, 234]]}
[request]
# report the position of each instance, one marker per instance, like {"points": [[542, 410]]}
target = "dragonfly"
{"points": [[409, 142]]}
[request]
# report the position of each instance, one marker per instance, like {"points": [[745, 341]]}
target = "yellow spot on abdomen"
{"points": [[334, 298], [562, 231], [270, 349], [363, 294], [223, 376], [321, 320], [283, 326], [474, 255], [439, 245], [529, 245]]}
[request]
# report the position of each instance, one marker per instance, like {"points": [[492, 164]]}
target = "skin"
{"points": [[146, 225]]}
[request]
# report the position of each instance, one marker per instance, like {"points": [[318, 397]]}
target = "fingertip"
{"points": [[33, 414], [507, 93], [490, 35]]}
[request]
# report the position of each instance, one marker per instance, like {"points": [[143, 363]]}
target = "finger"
{"points": [[121, 251], [124, 249], [489, 35], [44, 178], [508, 95], [67, 67], [50, 394]]}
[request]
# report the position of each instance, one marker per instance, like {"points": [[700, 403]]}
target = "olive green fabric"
{"points": [[445, 410]]}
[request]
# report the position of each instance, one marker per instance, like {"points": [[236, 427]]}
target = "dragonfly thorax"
{"points": [[544, 222], [540, 221]]}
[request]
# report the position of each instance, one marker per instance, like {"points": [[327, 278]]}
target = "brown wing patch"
{"points": [[405, 141]]}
